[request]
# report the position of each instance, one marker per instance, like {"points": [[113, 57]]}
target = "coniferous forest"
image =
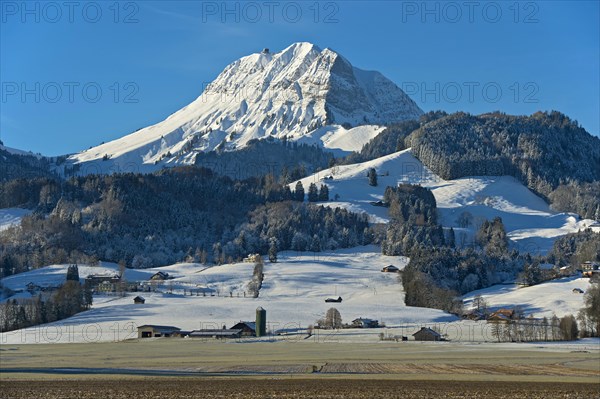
{"points": [[156, 219]]}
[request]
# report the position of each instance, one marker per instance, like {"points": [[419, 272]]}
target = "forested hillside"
{"points": [[156, 219], [13, 166], [548, 152], [283, 158], [413, 221]]}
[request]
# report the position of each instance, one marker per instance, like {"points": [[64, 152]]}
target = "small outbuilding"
{"points": [[139, 300], [427, 334], [156, 331], [334, 300], [390, 269], [32, 287]]}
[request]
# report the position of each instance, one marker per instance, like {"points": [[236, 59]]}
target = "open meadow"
{"points": [[185, 368]]}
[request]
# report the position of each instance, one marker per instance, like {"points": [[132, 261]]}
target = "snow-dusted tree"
{"points": [[273, 250], [324, 193], [299, 242], [313, 193], [315, 244], [299, 192], [372, 175]]}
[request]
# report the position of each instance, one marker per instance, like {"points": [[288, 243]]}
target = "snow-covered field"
{"points": [[542, 300], [11, 217], [293, 293], [530, 223], [340, 141]]}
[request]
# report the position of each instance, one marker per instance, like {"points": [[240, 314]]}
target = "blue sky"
{"points": [[72, 78]]}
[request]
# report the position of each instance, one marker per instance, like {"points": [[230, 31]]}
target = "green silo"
{"points": [[261, 322]]}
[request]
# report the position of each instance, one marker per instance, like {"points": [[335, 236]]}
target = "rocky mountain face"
{"points": [[298, 93]]}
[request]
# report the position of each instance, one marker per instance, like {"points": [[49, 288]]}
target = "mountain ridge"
{"points": [[289, 94]]}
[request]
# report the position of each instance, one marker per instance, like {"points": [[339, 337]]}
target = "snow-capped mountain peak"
{"points": [[294, 93]]}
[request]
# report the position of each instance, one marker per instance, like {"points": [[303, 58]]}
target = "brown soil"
{"points": [[180, 388]]}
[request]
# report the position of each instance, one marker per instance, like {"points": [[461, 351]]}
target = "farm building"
{"points": [[333, 300], [390, 269], [501, 315], [252, 258], [566, 271], [94, 281], [589, 266], [155, 331], [592, 274], [160, 276], [427, 334], [261, 322], [474, 315], [216, 333], [139, 300], [248, 328], [365, 323], [107, 286]]}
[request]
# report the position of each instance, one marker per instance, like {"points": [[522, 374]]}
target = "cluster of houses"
{"points": [[500, 315], [110, 284]]}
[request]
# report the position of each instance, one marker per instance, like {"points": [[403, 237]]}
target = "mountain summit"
{"points": [[297, 93]]}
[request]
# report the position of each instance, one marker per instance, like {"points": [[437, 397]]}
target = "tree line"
{"points": [[177, 214], [69, 299]]}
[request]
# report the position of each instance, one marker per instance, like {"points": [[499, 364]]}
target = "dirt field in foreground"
{"points": [[287, 388]]}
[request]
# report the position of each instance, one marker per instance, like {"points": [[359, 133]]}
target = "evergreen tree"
{"points": [[73, 273], [273, 250], [88, 297], [532, 273], [315, 245], [313, 193], [324, 193], [372, 175], [451, 239], [299, 192]]}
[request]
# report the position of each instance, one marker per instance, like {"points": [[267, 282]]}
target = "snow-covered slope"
{"points": [[293, 93], [293, 293], [542, 300], [530, 223], [16, 151]]}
